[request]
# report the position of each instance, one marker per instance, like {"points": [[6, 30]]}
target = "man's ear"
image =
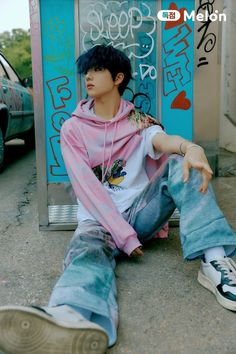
{"points": [[119, 78]]}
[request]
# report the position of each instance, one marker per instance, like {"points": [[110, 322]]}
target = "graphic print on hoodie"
{"points": [[115, 175], [89, 141]]}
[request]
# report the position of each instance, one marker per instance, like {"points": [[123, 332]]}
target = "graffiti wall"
{"points": [[131, 26]]}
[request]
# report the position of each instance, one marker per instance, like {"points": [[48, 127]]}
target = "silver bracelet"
{"points": [[180, 148]]}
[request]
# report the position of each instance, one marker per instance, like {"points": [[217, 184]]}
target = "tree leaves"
{"points": [[15, 45]]}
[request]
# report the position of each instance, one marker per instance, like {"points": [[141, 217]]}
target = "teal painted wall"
{"points": [[178, 71], [59, 77]]}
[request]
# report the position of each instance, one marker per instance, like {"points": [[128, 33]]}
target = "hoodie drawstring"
{"points": [[111, 150], [104, 144]]}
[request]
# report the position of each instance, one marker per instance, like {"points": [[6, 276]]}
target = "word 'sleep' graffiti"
{"points": [[117, 24]]}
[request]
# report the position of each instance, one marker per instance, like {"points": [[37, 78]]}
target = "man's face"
{"points": [[99, 82]]}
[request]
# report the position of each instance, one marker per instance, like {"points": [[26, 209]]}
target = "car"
{"points": [[16, 108]]}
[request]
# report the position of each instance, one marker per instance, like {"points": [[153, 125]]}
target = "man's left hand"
{"points": [[196, 158]]}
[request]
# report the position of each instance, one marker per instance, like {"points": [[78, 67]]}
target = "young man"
{"points": [[128, 176]]}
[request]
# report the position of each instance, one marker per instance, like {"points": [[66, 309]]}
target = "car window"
{"points": [[3, 74], [12, 75]]}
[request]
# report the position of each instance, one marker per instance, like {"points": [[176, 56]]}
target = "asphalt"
{"points": [[163, 309]]}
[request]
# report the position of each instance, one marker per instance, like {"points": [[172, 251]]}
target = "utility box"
{"points": [[176, 68]]}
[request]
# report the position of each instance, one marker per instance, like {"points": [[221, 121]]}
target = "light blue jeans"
{"points": [[88, 281]]}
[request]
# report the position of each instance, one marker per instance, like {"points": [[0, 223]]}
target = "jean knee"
{"points": [[97, 247]]}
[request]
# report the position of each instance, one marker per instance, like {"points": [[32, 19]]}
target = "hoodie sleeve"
{"points": [[89, 190]]}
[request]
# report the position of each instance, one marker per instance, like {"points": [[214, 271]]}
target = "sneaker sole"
{"points": [[208, 284], [28, 331]]}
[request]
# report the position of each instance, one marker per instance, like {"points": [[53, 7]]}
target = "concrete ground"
{"points": [[163, 309]]}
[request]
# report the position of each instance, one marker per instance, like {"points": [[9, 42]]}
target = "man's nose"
{"points": [[88, 76]]}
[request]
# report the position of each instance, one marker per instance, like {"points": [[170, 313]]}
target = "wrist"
{"points": [[187, 145]]}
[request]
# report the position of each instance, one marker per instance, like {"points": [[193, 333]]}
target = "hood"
{"points": [[107, 140], [83, 111]]}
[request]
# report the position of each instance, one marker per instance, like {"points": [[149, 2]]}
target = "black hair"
{"points": [[106, 57]]}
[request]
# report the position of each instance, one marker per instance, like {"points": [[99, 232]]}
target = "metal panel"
{"points": [[36, 48], [64, 217], [59, 214]]}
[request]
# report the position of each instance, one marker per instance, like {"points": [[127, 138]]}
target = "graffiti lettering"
{"points": [[115, 23], [206, 5], [146, 83], [146, 70], [59, 92], [140, 100], [56, 170], [176, 72], [177, 66], [58, 118], [59, 95], [208, 40]]}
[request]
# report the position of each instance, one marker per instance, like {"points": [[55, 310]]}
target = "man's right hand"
{"points": [[137, 252]]}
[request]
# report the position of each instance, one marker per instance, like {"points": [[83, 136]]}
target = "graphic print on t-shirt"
{"points": [[114, 176]]}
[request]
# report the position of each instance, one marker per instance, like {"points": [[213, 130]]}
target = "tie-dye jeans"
{"points": [[88, 280]]}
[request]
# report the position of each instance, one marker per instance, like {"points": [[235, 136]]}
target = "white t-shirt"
{"points": [[130, 177]]}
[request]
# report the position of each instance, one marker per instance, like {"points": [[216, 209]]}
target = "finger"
{"points": [[198, 165], [203, 166], [208, 169], [206, 176], [186, 168], [137, 252]]}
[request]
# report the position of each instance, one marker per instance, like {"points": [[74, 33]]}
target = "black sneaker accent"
{"points": [[219, 276], [225, 273], [40, 309], [226, 294]]}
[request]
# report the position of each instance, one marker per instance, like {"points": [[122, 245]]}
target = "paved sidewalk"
{"points": [[163, 310]]}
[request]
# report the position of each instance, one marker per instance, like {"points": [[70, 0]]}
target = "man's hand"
{"points": [[196, 158], [137, 252], [194, 155]]}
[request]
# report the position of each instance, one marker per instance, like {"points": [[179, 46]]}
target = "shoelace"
{"points": [[228, 266]]}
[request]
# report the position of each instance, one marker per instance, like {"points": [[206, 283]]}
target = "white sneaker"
{"points": [[49, 330], [219, 276]]}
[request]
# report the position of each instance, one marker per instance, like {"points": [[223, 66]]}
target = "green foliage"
{"points": [[15, 45]]}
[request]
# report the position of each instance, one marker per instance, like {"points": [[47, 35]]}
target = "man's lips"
{"points": [[90, 86]]}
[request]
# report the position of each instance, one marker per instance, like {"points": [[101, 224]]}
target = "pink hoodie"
{"points": [[87, 141]]}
